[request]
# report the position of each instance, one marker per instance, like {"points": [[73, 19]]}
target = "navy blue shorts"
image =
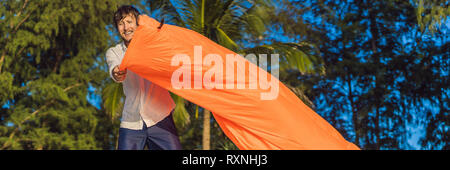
{"points": [[161, 136]]}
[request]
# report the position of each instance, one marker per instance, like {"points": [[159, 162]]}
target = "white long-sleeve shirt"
{"points": [[144, 100]]}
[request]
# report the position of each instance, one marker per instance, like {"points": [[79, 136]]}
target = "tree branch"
{"points": [[2, 58], [20, 23], [11, 136], [14, 30], [23, 7]]}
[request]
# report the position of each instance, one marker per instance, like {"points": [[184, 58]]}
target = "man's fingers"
{"points": [[117, 72], [119, 75]]}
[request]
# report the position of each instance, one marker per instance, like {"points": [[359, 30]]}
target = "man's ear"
{"points": [[137, 20]]}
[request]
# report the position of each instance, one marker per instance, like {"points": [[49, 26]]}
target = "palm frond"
{"points": [[225, 40], [297, 56], [257, 17], [167, 10], [196, 111], [112, 96], [181, 116]]}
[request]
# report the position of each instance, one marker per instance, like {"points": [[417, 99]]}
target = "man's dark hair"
{"points": [[124, 11]]}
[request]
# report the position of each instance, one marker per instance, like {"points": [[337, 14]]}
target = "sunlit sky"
{"points": [[416, 131]]}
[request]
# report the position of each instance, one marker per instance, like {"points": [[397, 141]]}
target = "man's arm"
{"points": [[113, 64]]}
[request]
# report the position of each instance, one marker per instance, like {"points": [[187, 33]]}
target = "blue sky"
{"points": [[416, 131]]}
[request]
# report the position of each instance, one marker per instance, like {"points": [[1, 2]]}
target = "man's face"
{"points": [[126, 27]]}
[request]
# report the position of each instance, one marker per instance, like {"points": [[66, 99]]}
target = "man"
{"points": [[147, 114]]}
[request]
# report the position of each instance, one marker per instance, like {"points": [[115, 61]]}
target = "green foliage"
{"points": [[51, 54], [375, 85], [431, 13], [7, 86], [298, 56], [229, 23], [180, 114], [112, 99], [383, 76]]}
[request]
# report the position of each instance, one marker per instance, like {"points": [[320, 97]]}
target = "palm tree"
{"points": [[232, 23], [229, 22]]}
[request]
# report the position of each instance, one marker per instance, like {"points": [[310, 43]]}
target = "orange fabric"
{"points": [[251, 123]]}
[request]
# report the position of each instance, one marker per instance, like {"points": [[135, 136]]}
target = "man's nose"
{"points": [[126, 26]]}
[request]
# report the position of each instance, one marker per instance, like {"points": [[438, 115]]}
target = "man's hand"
{"points": [[119, 75]]}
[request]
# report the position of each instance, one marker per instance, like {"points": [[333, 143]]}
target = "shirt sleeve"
{"points": [[113, 60]]}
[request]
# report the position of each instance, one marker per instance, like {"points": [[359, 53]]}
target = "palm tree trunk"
{"points": [[375, 32], [206, 130], [354, 113], [377, 129]]}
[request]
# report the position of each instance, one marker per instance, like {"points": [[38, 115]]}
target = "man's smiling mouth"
{"points": [[128, 33]]}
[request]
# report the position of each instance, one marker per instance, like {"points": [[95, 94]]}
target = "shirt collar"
{"points": [[124, 47]]}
